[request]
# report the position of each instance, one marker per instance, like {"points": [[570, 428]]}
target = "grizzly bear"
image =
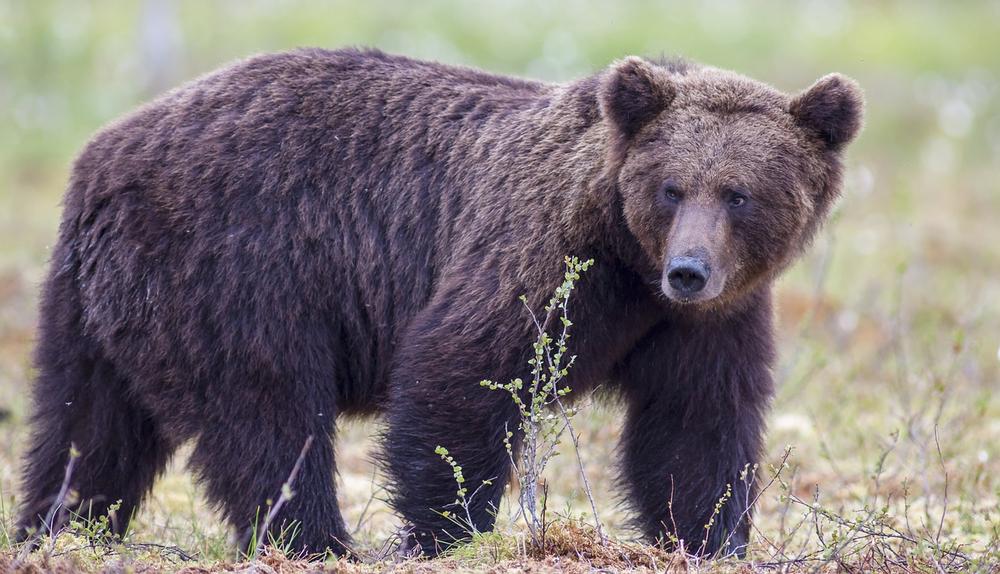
{"points": [[317, 234]]}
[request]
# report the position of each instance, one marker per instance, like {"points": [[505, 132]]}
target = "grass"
{"points": [[884, 431]]}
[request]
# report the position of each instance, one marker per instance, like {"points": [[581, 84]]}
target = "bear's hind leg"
{"points": [[245, 454], [81, 400]]}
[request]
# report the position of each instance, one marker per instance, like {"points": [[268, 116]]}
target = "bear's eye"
{"points": [[737, 199], [671, 190]]}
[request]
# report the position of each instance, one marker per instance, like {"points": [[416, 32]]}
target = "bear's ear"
{"points": [[831, 109], [633, 92]]}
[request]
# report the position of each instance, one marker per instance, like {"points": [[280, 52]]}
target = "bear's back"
{"points": [[289, 197]]}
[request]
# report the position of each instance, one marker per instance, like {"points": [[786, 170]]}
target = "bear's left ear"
{"points": [[831, 109], [632, 93]]}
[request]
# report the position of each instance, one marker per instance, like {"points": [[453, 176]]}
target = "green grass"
{"points": [[890, 327]]}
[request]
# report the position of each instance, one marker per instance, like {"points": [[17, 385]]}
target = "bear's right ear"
{"points": [[633, 92]]}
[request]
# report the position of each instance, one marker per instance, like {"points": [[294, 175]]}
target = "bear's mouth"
{"points": [[689, 299]]}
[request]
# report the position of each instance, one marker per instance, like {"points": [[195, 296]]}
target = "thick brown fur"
{"points": [[321, 233]]}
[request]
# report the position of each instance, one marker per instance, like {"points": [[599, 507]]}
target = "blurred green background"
{"points": [[890, 325]]}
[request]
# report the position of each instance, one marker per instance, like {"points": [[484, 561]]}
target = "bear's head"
{"points": [[722, 180]]}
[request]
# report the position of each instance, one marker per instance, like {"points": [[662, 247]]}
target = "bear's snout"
{"points": [[687, 275]]}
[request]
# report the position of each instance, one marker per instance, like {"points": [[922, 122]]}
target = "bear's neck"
{"points": [[539, 167], [577, 189], [552, 167]]}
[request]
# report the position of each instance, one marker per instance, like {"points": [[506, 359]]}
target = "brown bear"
{"points": [[319, 233]]}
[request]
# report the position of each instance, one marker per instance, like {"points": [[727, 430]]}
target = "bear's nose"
{"points": [[687, 275]]}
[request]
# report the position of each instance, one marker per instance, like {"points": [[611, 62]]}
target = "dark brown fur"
{"points": [[314, 234]]}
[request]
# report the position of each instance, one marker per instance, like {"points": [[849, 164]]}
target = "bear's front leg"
{"points": [[436, 400], [698, 390]]}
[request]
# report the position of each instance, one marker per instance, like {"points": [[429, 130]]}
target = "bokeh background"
{"points": [[890, 327]]}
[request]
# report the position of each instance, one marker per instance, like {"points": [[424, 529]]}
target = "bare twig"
{"points": [[944, 511], [364, 511], [670, 508], [58, 504], [285, 496], [111, 550], [545, 505], [583, 473], [862, 528], [750, 504], [51, 517]]}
